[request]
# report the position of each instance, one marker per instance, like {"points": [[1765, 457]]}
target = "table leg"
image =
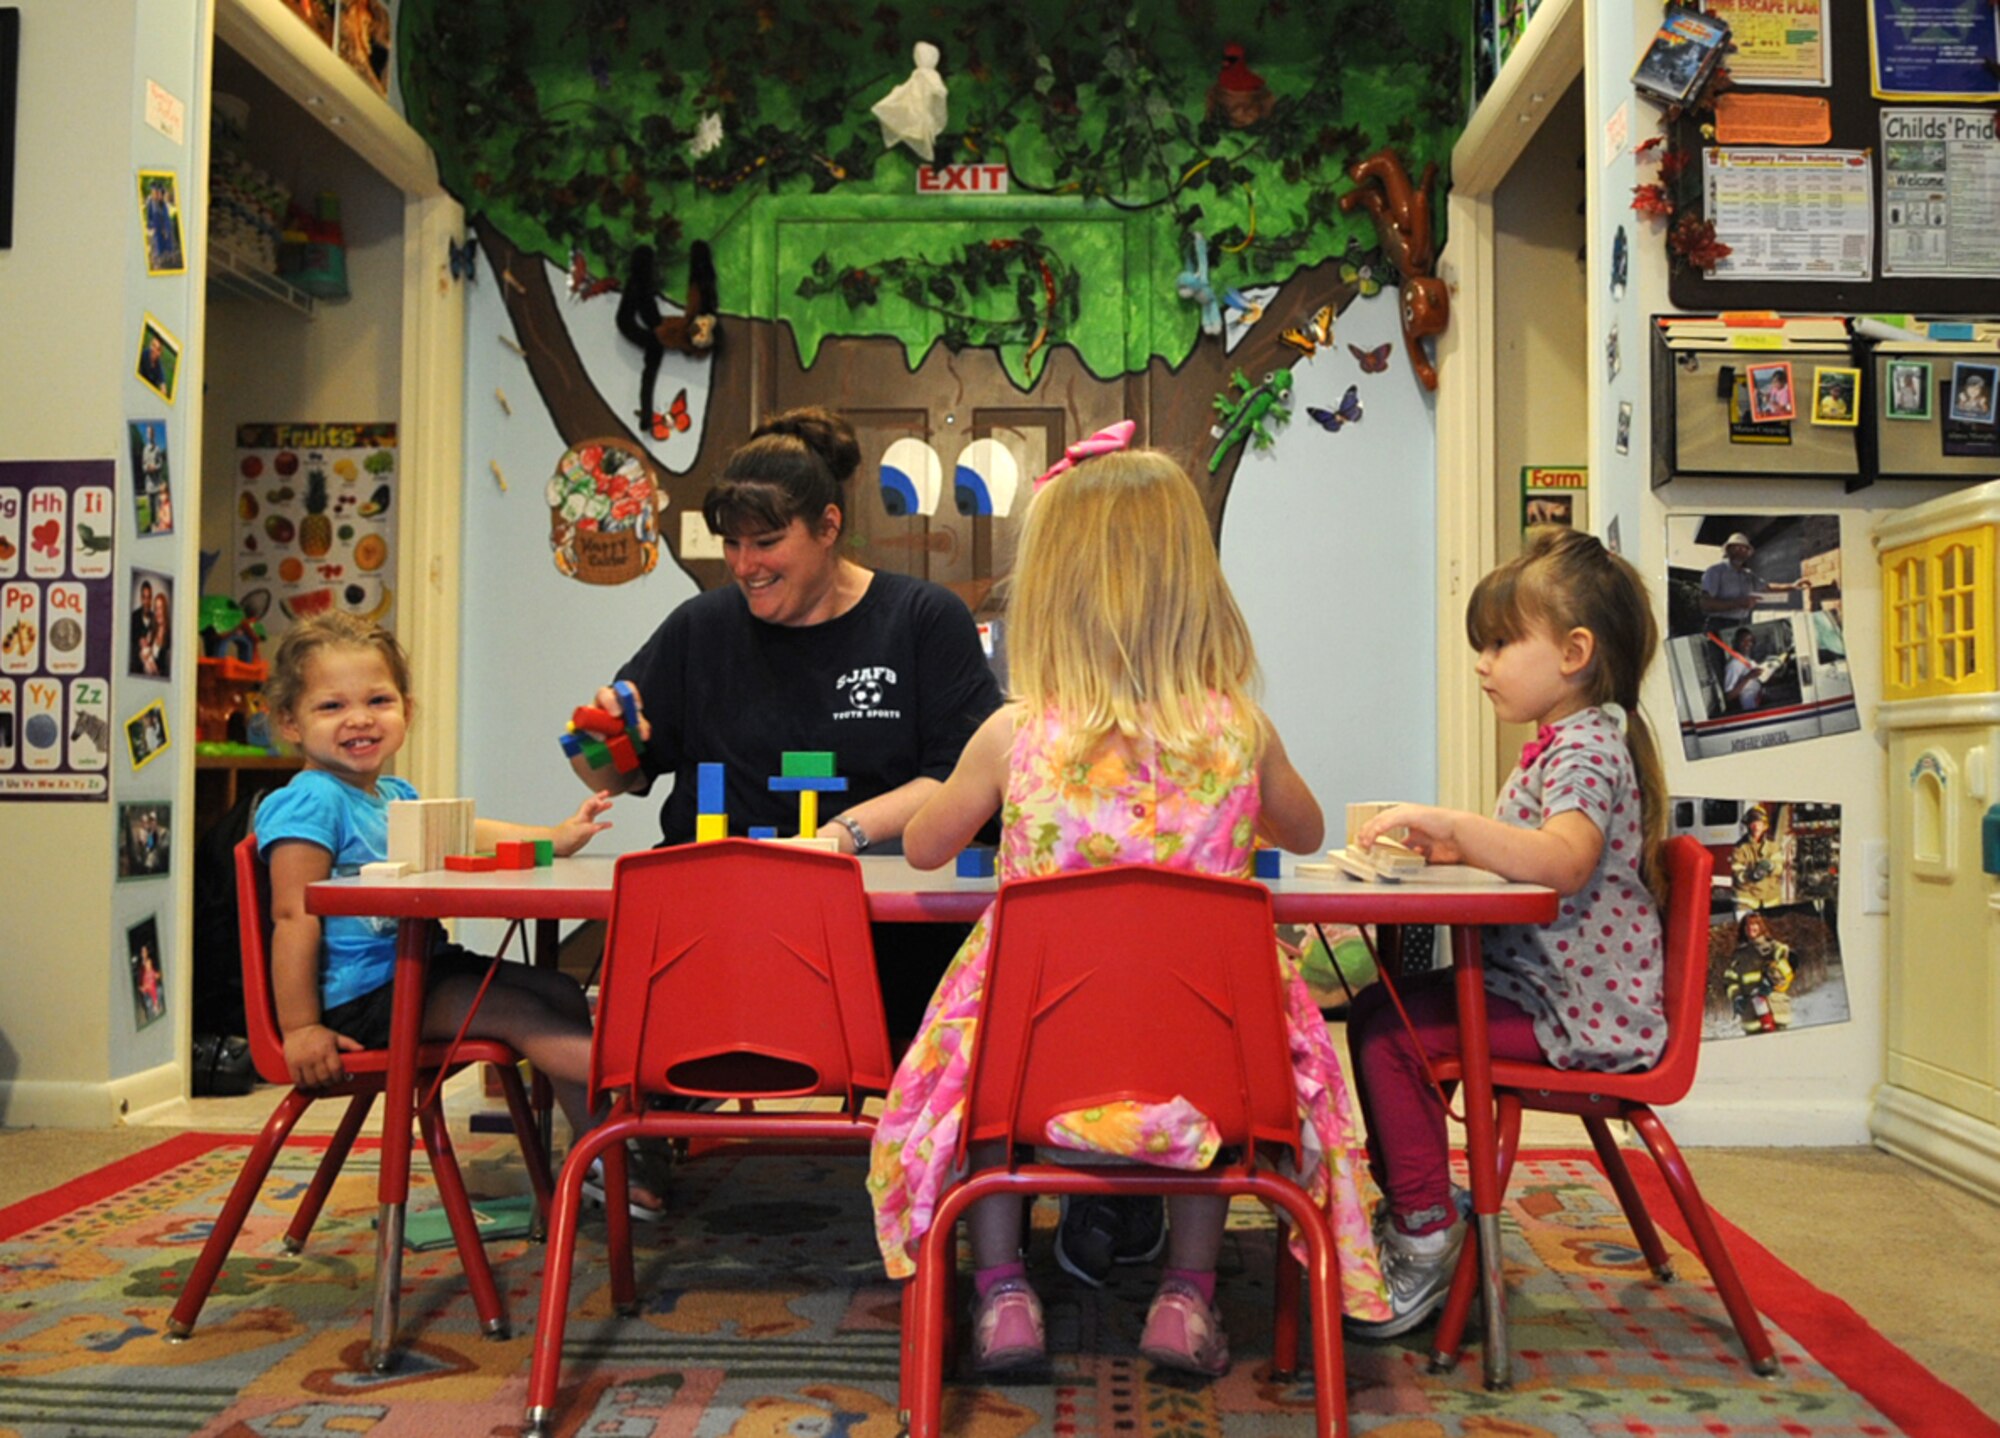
{"points": [[548, 953], [1481, 1143], [399, 1101]]}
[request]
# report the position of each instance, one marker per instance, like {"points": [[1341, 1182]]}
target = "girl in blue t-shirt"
{"points": [[339, 690]]}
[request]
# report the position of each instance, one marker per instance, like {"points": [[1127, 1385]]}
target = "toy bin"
{"points": [[1939, 1104]]}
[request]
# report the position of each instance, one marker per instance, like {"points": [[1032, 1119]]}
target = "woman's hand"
{"points": [[312, 1055], [607, 700], [1433, 832], [582, 826]]}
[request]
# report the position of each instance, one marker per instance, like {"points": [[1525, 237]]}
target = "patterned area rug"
{"points": [[766, 1314]]}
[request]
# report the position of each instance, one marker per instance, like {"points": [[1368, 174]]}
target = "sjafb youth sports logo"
{"points": [[865, 692]]}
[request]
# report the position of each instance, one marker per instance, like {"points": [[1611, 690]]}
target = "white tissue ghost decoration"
{"points": [[913, 113]]}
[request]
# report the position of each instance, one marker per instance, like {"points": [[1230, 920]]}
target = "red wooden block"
{"points": [[515, 853], [622, 754], [472, 863], [593, 720]]}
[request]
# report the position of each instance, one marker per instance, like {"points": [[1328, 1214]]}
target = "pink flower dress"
{"points": [[1128, 803]]}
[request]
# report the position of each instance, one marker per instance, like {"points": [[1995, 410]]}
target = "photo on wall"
{"points": [[1755, 644], [145, 840], [159, 364], [149, 979], [152, 632], [160, 222], [1774, 956], [152, 491], [146, 734]]}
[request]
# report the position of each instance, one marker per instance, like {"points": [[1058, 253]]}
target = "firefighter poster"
{"points": [[1773, 928], [1755, 642]]}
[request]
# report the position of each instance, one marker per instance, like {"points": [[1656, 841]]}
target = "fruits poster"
{"points": [[316, 508], [56, 616]]}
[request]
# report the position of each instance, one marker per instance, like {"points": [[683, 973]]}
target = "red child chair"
{"points": [[1131, 983], [732, 970], [366, 1073], [1597, 1098]]}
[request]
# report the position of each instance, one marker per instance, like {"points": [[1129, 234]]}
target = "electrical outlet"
{"points": [[697, 540], [1875, 877]]}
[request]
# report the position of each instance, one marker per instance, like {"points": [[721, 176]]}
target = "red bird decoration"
{"points": [[1239, 93]]}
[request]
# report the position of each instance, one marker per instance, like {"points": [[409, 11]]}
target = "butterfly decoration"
{"points": [[1331, 420], [1373, 361], [1316, 333], [675, 420], [582, 285], [1361, 276], [463, 259]]}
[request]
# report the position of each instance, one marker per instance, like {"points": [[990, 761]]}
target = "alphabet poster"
{"points": [[56, 613]]}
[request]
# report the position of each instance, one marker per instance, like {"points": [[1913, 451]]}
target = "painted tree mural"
{"points": [[577, 134]]}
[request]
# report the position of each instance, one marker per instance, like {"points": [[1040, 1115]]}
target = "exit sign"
{"points": [[962, 179]]}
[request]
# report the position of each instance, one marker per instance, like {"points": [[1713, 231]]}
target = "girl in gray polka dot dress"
{"points": [[1565, 633]]}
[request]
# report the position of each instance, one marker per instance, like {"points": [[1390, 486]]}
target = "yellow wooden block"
{"points": [[709, 827], [808, 813]]}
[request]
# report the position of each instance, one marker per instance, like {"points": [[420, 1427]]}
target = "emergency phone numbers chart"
{"points": [[56, 527]]}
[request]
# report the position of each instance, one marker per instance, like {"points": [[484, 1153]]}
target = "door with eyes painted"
{"points": [[950, 402]]}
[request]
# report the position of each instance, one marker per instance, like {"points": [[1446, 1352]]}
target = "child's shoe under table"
{"points": [[1007, 1331], [1418, 1270], [1182, 1331]]}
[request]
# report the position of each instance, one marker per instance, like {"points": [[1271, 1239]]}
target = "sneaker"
{"points": [[1007, 1329], [1096, 1233], [1183, 1332], [1418, 1269], [1378, 1221]]}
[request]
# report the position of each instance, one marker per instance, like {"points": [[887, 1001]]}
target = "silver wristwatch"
{"points": [[859, 834]]}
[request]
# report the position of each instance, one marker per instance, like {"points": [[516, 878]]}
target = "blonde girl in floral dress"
{"points": [[1133, 738]]}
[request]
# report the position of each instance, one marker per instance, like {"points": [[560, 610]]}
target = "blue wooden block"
{"points": [[628, 701], [1267, 864], [571, 745], [763, 831], [975, 863], [782, 784], [708, 789]]}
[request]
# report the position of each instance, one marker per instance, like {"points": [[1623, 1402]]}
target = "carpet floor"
{"points": [[766, 1313]]}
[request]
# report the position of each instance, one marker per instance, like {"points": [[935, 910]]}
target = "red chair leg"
{"points": [[1449, 1343], [545, 1369], [337, 1149], [1714, 1253], [464, 1227], [1285, 1277], [527, 1130], [1612, 1160], [1323, 1283], [229, 1223], [924, 1315], [618, 1223]]}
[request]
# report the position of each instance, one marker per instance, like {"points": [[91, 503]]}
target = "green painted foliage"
{"points": [[568, 127]]}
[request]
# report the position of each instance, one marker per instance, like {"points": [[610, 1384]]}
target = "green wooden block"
{"points": [[807, 764], [545, 853], [595, 750]]}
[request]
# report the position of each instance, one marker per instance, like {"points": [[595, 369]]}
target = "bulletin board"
{"points": [[1857, 125]]}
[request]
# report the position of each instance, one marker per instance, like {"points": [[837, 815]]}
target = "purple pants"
{"points": [[1408, 1151]]}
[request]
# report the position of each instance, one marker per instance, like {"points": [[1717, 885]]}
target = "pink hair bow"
{"points": [[1537, 746], [1109, 440]]}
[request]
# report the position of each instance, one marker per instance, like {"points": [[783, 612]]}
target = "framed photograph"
{"points": [[1909, 393], [1972, 388], [152, 625], [146, 734], [145, 838], [149, 978], [159, 365], [1836, 396], [1771, 392], [152, 492], [1624, 440], [160, 222]]}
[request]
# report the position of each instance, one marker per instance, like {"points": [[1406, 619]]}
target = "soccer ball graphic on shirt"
{"points": [[866, 694]]}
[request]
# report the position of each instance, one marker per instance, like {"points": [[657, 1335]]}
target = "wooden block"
{"points": [[975, 863], [708, 789], [710, 827], [515, 853], [589, 719], [571, 745], [763, 831], [628, 702], [806, 784], [595, 752], [811, 841], [808, 813], [622, 753], [472, 863], [387, 869], [806, 764], [545, 853], [1267, 864]]}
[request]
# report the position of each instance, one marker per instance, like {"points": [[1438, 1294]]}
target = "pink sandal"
{"points": [[1007, 1329], [1183, 1332]]}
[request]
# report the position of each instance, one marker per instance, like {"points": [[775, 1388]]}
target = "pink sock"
{"points": [[985, 1280], [1201, 1280]]}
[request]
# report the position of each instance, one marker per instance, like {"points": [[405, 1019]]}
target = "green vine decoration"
{"points": [[1043, 290]]}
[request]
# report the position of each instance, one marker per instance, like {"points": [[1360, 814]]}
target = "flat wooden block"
{"points": [[387, 869], [809, 841], [710, 827], [472, 863], [591, 720], [806, 764]]}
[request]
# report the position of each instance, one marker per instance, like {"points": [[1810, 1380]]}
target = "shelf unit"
{"points": [[230, 275]]}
